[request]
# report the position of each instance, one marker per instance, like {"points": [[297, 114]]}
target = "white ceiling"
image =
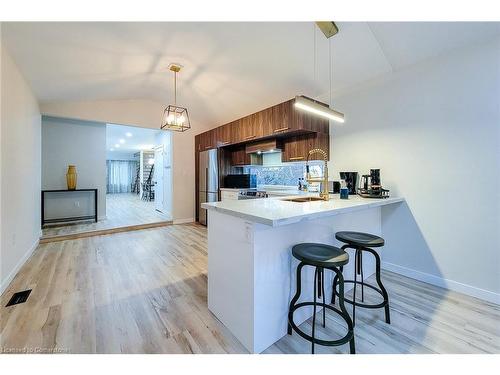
{"points": [[230, 69], [138, 138]]}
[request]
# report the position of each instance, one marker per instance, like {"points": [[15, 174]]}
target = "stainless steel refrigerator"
{"points": [[209, 181]]}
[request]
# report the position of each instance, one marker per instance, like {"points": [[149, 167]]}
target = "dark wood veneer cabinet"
{"points": [[276, 121], [280, 116], [207, 140], [225, 134], [239, 157], [296, 148], [282, 121]]}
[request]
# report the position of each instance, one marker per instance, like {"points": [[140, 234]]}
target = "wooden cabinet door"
{"points": [[207, 140], [224, 135], [265, 123], [261, 122], [297, 148], [294, 149], [247, 129], [236, 131], [239, 157], [281, 119]]}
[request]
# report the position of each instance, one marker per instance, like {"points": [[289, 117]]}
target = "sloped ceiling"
{"points": [[230, 69]]}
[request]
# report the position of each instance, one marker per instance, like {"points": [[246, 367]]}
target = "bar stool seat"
{"points": [[359, 238], [321, 257]]}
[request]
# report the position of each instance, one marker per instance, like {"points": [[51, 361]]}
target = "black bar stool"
{"points": [[321, 257], [362, 242]]}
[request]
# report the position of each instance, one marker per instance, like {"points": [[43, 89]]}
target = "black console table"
{"points": [[74, 218]]}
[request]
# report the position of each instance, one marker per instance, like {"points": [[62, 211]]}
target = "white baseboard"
{"points": [[184, 221], [5, 283], [455, 286]]}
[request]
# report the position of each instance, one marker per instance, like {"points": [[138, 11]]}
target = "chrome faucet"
{"points": [[324, 180]]}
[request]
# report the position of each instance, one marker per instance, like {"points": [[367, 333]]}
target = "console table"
{"points": [[73, 218]]}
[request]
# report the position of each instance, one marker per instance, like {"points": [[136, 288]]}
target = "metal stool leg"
{"points": [[314, 310], [362, 277], [323, 292], [347, 318], [335, 278], [296, 296], [380, 285], [334, 286], [356, 259]]}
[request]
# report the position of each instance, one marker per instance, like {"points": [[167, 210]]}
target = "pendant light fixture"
{"points": [[174, 117], [313, 106]]}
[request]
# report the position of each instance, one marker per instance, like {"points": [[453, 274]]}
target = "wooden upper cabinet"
{"points": [[239, 157], [281, 120], [225, 135], [296, 148], [302, 120], [207, 140], [246, 129]]}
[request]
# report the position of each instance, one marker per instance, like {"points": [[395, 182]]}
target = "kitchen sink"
{"points": [[303, 199]]}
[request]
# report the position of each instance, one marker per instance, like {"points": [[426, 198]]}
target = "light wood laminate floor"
{"points": [[122, 210], [146, 292]]}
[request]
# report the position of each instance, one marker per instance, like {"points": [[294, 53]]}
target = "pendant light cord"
{"points": [[314, 54], [175, 88], [330, 70]]}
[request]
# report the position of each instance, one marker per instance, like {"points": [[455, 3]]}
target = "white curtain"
{"points": [[121, 176]]}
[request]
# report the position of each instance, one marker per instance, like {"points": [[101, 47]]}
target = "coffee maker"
{"points": [[371, 186]]}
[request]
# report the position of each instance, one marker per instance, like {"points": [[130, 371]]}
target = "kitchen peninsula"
{"points": [[250, 267]]}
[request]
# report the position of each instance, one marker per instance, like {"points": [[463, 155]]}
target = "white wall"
{"points": [[434, 130], [147, 114], [79, 143], [20, 177]]}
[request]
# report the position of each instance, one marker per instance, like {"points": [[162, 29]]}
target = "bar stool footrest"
{"points": [[368, 306], [309, 338]]}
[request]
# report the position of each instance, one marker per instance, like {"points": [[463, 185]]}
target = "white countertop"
{"points": [[277, 212]]}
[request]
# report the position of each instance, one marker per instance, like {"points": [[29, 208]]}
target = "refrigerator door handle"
{"points": [[206, 179]]}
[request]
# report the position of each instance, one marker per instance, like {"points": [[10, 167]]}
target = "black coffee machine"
{"points": [[351, 180], [371, 186]]}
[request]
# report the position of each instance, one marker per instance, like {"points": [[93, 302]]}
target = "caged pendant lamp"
{"points": [[174, 117]]}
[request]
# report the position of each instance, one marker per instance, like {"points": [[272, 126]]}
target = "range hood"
{"points": [[262, 147]]}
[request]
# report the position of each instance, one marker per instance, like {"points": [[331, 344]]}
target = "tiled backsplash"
{"points": [[287, 174]]}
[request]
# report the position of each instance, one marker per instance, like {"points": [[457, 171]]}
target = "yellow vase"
{"points": [[71, 177]]}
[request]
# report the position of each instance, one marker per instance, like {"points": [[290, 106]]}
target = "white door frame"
{"points": [[158, 178]]}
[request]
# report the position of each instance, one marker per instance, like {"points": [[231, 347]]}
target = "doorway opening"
{"points": [[134, 188], [138, 175]]}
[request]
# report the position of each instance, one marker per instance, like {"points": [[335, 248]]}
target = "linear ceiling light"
{"points": [[304, 103], [320, 109]]}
